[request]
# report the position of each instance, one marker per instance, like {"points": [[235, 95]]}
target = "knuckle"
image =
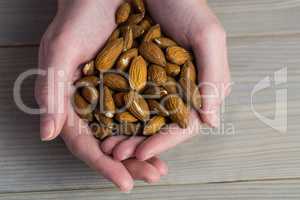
{"points": [[211, 31]]}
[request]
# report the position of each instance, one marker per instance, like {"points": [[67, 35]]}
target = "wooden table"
{"points": [[256, 162]]}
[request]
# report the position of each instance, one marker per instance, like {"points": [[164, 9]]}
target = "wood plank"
{"points": [[255, 17], [264, 190], [23, 22], [254, 151]]}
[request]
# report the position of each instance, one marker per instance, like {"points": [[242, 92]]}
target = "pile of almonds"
{"points": [[140, 82]]}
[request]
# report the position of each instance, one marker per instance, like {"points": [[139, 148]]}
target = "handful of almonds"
{"points": [[140, 82]]}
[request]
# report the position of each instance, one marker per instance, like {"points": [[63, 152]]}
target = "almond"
{"points": [[188, 71], [154, 92], [178, 111], [119, 99], [87, 81], [157, 75], [116, 82], [137, 31], [91, 94], [177, 55], [82, 107], [145, 24], [135, 19], [154, 125], [157, 109], [138, 74], [89, 68], [137, 105], [172, 69], [115, 35], [128, 39], [107, 104], [139, 5], [99, 131], [171, 86], [191, 92], [123, 13], [103, 120], [109, 55], [125, 59], [164, 42], [153, 32], [152, 53], [125, 117]]}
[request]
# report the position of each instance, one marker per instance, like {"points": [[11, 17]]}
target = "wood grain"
{"points": [[264, 190], [23, 22], [254, 151]]}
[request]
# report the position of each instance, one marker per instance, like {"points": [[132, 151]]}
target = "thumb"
{"points": [[211, 52], [51, 92]]}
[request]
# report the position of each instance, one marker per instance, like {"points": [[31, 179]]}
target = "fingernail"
{"points": [[47, 129]]}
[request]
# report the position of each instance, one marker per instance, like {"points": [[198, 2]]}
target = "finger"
{"points": [[210, 48], [51, 90], [82, 144], [126, 148], [160, 165], [168, 138], [109, 144], [141, 170]]}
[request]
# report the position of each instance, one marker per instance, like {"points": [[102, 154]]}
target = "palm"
{"points": [[193, 25]]}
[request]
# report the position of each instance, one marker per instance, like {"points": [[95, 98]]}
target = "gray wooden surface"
{"points": [[256, 162]]}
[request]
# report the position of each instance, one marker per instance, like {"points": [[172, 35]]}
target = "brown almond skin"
{"points": [[154, 125], [138, 74], [171, 86], [139, 5], [115, 35], [154, 92], [137, 105], [99, 131], [177, 55], [123, 13], [152, 53], [135, 19], [119, 99], [103, 120], [116, 82], [178, 111], [157, 75], [107, 101], [90, 94], [89, 68], [145, 24], [153, 32], [128, 39], [164, 42], [109, 55], [137, 31], [124, 61], [82, 107], [192, 93], [88, 81], [188, 71], [126, 117], [172, 69], [157, 108]]}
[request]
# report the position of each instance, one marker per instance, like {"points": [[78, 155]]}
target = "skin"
{"points": [[78, 31]]}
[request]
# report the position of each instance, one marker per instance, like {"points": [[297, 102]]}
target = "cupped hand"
{"points": [[193, 25], [78, 31]]}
